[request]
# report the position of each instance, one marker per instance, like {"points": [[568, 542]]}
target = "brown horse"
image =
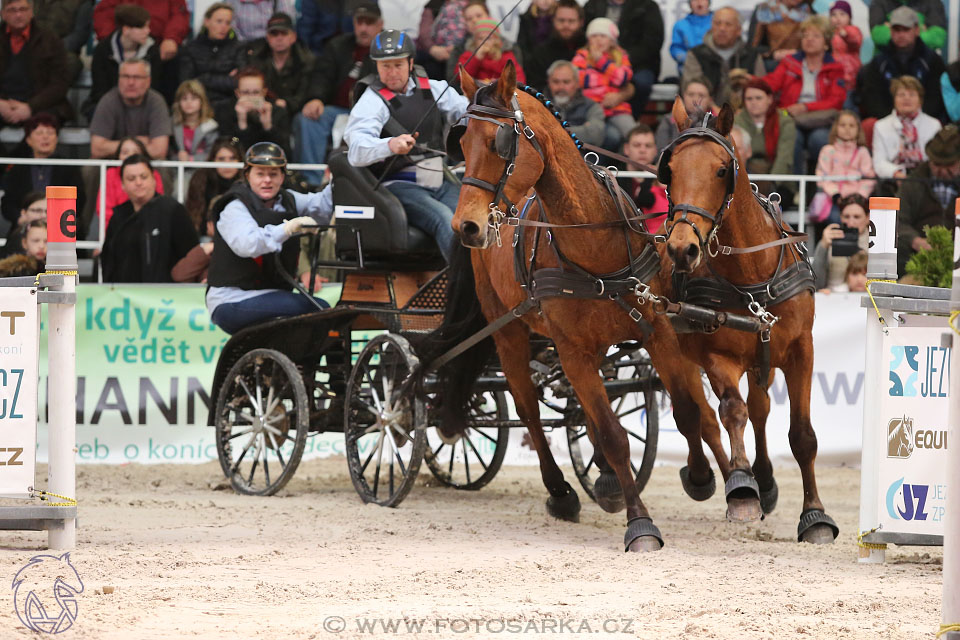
{"points": [[714, 217], [546, 158]]}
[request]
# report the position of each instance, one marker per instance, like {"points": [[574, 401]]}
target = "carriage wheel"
{"points": [[262, 420], [642, 438], [384, 428], [473, 459]]}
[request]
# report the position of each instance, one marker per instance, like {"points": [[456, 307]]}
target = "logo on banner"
{"points": [[905, 371], [45, 593], [900, 437], [907, 501]]}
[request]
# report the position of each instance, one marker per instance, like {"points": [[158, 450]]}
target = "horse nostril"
{"points": [[469, 229], [693, 251]]}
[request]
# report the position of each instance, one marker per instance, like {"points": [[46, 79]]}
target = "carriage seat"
{"points": [[386, 236]]}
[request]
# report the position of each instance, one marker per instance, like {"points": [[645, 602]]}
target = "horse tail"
{"points": [[463, 318]]}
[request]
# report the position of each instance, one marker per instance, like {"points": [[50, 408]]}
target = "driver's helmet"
{"points": [[391, 44], [265, 154]]}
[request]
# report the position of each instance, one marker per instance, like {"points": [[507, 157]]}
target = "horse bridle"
{"points": [[507, 145], [665, 176]]}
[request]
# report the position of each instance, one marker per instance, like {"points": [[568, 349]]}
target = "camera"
{"points": [[848, 245]]}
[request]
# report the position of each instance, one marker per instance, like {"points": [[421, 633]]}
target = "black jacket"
{"points": [[105, 71], [873, 82], [641, 31], [335, 66], [279, 127], [144, 246], [17, 183], [292, 83], [47, 67], [210, 62], [540, 58]]}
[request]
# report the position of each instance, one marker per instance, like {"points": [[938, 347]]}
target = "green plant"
{"points": [[934, 266]]}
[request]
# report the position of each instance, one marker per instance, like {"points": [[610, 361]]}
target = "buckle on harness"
{"points": [[635, 315], [527, 131], [510, 168], [513, 221]]}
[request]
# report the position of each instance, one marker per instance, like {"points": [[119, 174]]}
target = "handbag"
{"points": [[820, 207], [810, 120]]}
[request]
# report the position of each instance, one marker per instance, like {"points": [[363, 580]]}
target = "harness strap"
{"points": [[481, 335], [793, 237], [718, 294]]}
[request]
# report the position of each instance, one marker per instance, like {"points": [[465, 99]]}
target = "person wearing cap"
{"points": [[931, 19], [489, 60], [722, 51], [641, 32], [254, 219], [929, 194], [394, 127], [605, 74], [846, 41], [251, 17], [345, 59], [905, 55], [286, 64]]}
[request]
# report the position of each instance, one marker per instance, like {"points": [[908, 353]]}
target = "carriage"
{"points": [[355, 369]]}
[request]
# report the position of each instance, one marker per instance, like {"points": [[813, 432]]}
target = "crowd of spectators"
{"points": [[270, 70]]}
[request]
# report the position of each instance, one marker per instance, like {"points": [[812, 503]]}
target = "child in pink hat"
{"points": [[846, 41]]}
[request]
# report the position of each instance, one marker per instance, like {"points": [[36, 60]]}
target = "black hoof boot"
{"points": [[642, 535], [608, 493], [565, 507], [698, 492], [743, 497], [816, 527], [769, 497]]}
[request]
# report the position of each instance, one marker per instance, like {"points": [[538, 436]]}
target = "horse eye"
{"points": [[721, 172]]}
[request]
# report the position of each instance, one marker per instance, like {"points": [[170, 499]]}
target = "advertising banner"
{"points": [[19, 348]]}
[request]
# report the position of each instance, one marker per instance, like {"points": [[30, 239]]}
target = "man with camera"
{"points": [[841, 241]]}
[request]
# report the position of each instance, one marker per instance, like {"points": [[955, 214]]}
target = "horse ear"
{"points": [[468, 84], [507, 84], [725, 120], [680, 114]]}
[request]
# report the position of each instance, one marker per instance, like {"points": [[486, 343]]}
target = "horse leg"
{"points": [[606, 489], [581, 368], [513, 345], [742, 492], [758, 408], [815, 525]]}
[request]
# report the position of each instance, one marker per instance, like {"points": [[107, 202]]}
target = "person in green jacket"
{"points": [[773, 134]]}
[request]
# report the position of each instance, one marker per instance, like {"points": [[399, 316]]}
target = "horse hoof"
{"points": [[816, 527], [565, 507], [608, 494], [744, 510], [768, 498], [698, 492], [743, 497], [641, 536]]}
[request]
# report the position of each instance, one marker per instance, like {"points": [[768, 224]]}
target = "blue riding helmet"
{"points": [[391, 44]]}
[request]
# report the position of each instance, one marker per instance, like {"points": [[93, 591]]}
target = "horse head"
{"points": [[700, 170], [503, 162]]}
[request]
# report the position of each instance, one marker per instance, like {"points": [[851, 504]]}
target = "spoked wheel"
{"points": [[384, 424], [262, 419], [471, 460], [639, 415]]}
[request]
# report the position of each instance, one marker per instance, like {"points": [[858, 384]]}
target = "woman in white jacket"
{"points": [[900, 138]]}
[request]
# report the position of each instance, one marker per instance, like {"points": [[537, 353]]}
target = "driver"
{"points": [[381, 126], [253, 219]]}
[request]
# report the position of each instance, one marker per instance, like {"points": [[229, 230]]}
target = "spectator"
{"points": [[475, 11], [641, 24], [31, 253], [564, 41], [950, 87], [72, 22], [286, 64], [115, 195], [829, 270], [418, 181], [742, 144], [690, 31], [345, 60], [775, 29], [149, 233], [33, 67], [322, 20], [488, 61], [213, 58], [846, 154], [255, 116], [131, 109], [812, 104], [194, 129], [855, 277], [846, 41], [899, 140], [931, 17], [207, 184], [649, 195], [254, 219], [40, 142], [435, 68], [449, 31], [132, 39], [906, 55], [696, 97], [929, 197], [585, 117], [605, 74], [772, 132], [33, 207], [536, 23], [250, 17], [721, 52]]}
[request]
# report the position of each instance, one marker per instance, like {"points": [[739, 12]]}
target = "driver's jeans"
{"points": [[233, 316], [430, 210]]}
